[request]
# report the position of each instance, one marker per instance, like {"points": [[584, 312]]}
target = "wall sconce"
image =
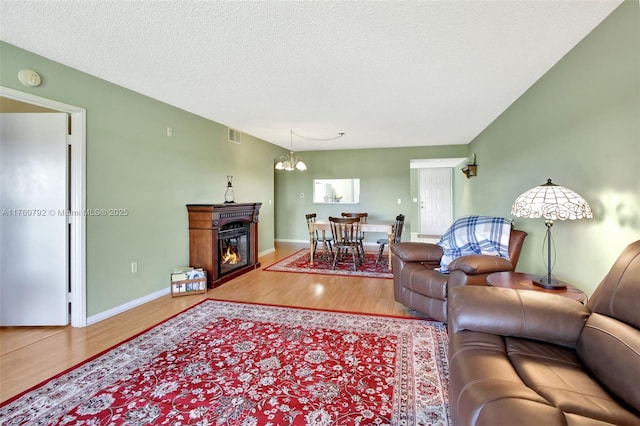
{"points": [[470, 170]]}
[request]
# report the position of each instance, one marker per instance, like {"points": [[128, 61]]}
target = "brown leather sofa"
{"points": [[520, 357], [418, 286]]}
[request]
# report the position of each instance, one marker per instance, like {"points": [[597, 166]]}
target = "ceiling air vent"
{"points": [[234, 135]]}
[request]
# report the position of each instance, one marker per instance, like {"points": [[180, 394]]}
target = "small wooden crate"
{"points": [[189, 287]]}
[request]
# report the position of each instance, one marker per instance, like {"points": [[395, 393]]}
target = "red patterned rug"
{"points": [[299, 262], [244, 364]]}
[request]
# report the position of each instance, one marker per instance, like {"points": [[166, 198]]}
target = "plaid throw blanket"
{"points": [[475, 235]]}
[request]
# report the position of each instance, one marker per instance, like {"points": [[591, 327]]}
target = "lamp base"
{"points": [[549, 282]]}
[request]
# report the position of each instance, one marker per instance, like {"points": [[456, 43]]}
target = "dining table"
{"points": [[381, 226]]}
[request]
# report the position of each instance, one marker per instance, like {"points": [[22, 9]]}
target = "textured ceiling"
{"points": [[387, 73]]}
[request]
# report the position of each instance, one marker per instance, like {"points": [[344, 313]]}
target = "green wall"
{"points": [[131, 163], [580, 126], [384, 177]]}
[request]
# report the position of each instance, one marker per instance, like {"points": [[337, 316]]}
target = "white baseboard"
{"points": [[125, 307], [267, 251], [280, 240], [424, 239]]}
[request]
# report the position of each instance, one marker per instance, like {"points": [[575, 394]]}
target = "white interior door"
{"points": [[34, 243], [436, 208]]}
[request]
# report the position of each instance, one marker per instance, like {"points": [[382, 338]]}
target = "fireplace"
{"points": [[223, 239]]}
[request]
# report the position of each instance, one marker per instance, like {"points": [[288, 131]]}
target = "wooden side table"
{"points": [[522, 281]]}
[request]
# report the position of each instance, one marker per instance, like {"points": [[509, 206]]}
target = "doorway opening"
{"points": [[435, 197], [76, 149]]}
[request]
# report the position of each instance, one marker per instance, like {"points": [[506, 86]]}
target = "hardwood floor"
{"points": [[30, 355]]}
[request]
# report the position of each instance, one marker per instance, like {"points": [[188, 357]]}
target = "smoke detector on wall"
{"points": [[29, 78]]}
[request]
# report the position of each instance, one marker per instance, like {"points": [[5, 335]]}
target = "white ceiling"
{"points": [[387, 73]]}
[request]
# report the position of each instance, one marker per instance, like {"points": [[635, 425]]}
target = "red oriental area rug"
{"points": [[299, 262], [244, 364]]}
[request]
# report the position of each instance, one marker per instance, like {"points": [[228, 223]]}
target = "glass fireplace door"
{"points": [[233, 241]]}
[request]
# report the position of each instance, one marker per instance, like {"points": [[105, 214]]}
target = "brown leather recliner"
{"points": [[418, 286], [529, 358]]}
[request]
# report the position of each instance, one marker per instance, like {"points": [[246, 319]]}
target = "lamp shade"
{"points": [[301, 166], [551, 201]]}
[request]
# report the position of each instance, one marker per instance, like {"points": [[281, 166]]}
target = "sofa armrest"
{"points": [[517, 313], [417, 252], [480, 264]]}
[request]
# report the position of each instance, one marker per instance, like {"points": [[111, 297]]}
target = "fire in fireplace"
{"points": [[231, 256]]}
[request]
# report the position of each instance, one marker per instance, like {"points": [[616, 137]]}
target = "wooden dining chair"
{"points": [[317, 237], [344, 231], [397, 236], [363, 219], [363, 216]]}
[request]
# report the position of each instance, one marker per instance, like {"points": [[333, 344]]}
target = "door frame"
{"points": [[77, 199], [429, 163]]}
